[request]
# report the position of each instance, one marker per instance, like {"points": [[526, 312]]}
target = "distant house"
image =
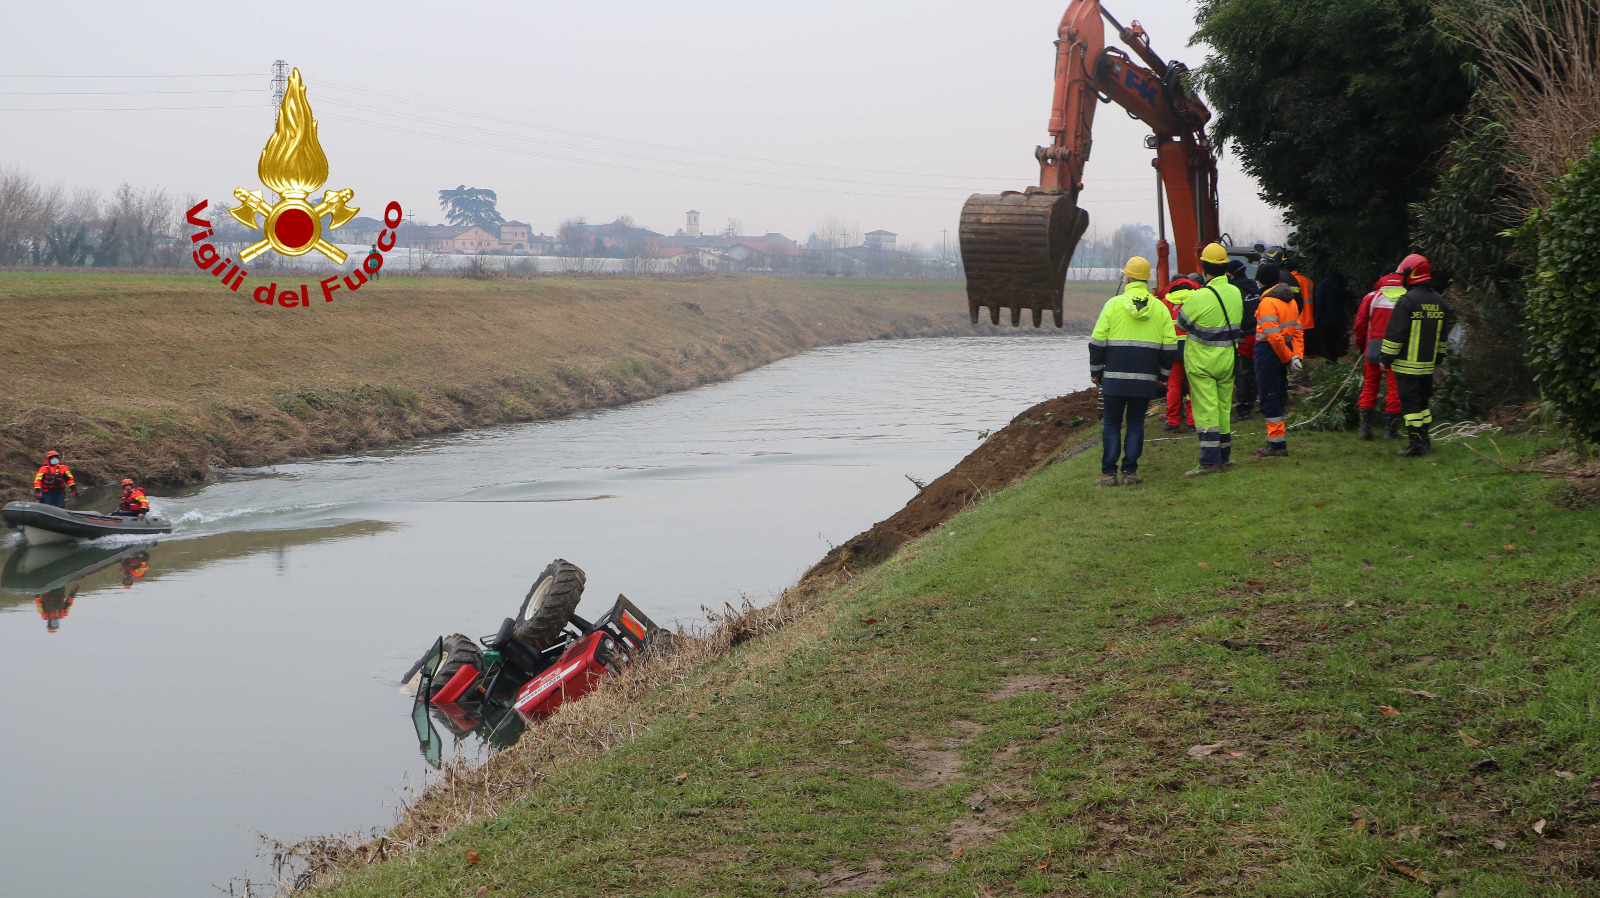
{"points": [[515, 236], [881, 240], [759, 254], [451, 239], [360, 229], [694, 259], [542, 245], [618, 236]]}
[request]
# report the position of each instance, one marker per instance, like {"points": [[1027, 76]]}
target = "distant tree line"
{"points": [[51, 224]]}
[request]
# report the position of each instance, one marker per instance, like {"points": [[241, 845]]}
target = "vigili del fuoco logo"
{"points": [[293, 166]]}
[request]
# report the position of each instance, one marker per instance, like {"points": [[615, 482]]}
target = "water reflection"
{"points": [[54, 576], [483, 726]]}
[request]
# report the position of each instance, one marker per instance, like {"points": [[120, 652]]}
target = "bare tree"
{"points": [[576, 243], [69, 223], [21, 225], [1545, 57], [734, 229], [640, 253]]}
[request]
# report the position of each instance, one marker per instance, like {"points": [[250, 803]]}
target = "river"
{"points": [[240, 676]]}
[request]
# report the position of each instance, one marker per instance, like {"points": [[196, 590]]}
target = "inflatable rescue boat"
{"points": [[43, 524]]}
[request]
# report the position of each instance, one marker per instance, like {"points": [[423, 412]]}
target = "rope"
{"points": [[1354, 369]]}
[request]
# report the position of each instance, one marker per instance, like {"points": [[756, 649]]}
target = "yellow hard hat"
{"points": [[1214, 254], [1138, 268]]}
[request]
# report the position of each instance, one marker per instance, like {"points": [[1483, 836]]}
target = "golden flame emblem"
{"points": [[293, 166]]}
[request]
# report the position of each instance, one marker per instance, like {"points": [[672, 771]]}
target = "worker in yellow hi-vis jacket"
{"points": [[1212, 316]]}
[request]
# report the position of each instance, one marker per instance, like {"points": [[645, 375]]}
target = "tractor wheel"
{"points": [[459, 651], [549, 605]]}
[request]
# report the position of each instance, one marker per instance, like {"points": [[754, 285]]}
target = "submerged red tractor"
{"points": [[537, 661]]}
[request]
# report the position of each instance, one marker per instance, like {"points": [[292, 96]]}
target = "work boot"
{"points": [[1203, 470], [1419, 446], [1391, 426], [1241, 414], [1365, 431], [1173, 428], [1131, 479], [1271, 451], [1107, 480]]}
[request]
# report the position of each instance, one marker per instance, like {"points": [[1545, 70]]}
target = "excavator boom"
{"points": [[1017, 247]]}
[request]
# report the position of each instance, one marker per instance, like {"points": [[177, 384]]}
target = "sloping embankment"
{"points": [[166, 377], [614, 713], [1143, 691]]}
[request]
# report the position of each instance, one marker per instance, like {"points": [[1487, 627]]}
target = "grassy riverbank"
{"points": [[1036, 698], [166, 376]]}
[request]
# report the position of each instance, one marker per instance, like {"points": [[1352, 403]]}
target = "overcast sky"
{"points": [[885, 114]]}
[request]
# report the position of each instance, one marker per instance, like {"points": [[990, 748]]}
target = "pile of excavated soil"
{"points": [[1032, 440]]}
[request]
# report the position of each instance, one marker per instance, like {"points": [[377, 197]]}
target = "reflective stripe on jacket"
{"points": [[1212, 316], [1417, 328], [1278, 323], [1308, 318], [53, 477], [1134, 344], [1372, 319]]}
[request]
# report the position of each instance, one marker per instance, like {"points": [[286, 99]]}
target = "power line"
{"points": [[122, 108], [642, 158], [242, 75], [659, 146], [126, 93], [534, 153]]}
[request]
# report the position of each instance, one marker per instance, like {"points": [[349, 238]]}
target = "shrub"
{"points": [[1564, 299]]}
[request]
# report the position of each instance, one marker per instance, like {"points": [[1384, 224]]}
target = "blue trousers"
{"points": [[1117, 409], [56, 497], [1272, 380]]}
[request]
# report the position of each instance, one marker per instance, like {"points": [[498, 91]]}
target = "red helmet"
{"points": [[127, 481], [1414, 269], [51, 453]]}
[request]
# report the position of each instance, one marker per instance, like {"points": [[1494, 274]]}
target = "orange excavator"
{"points": [[1017, 246]]}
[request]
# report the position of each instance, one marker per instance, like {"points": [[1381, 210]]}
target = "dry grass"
{"points": [[165, 376], [463, 791], [1545, 57]]}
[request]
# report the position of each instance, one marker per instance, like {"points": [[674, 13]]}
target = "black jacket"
{"points": [[1418, 327]]}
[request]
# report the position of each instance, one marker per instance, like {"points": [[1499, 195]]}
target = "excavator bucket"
{"points": [[1016, 248]]}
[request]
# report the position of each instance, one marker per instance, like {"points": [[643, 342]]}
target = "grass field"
{"points": [[164, 376], [1037, 699]]}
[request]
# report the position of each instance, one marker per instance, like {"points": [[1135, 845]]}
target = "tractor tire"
{"points": [[549, 605], [459, 651]]}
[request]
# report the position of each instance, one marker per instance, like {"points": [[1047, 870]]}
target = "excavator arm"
{"points": [[1017, 246]]}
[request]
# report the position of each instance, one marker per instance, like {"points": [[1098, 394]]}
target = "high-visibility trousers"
{"points": [[1211, 392], [1272, 380], [1370, 374]]}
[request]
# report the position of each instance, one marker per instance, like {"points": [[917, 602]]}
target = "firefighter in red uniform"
{"points": [[1372, 321], [134, 568], [54, 605], [50, 485], [134, 504], [1179, 410]]}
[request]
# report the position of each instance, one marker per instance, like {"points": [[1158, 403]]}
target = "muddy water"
{"points": [[239, 676]]}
